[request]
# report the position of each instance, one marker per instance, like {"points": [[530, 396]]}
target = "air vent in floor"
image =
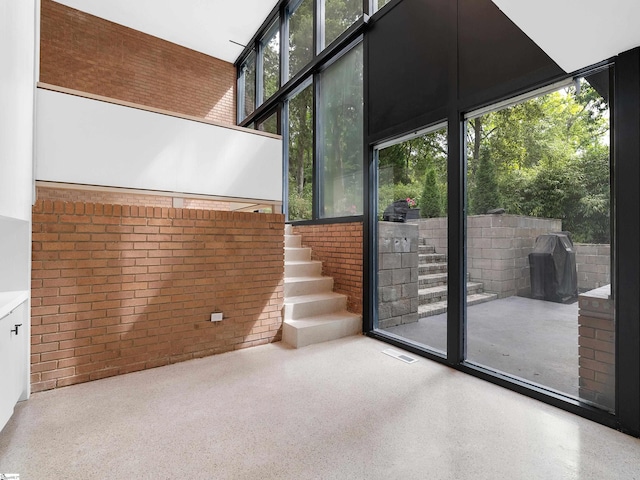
{"points": [[399, 355]]}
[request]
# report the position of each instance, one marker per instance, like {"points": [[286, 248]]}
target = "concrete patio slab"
{"points": [[531, 339]]}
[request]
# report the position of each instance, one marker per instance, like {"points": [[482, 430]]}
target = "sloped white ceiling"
{"points": [[577, 33], [206, 26]]}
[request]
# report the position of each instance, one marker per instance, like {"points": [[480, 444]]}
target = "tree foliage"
{"points": [[430, 201], [550, 156]]}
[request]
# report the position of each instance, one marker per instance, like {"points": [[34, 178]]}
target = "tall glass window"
{"points": [[340, 135], [247, 87], [338, 16], [378, 4], [539, 296], [269, 124], [300, 27], [300, 141], [270, 50], [412, 228]]}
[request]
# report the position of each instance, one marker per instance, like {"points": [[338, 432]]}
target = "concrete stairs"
{"points": [[432, 283], [312, 312]]}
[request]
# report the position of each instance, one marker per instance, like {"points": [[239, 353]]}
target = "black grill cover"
{"points": [[553, 268], [396, 212]]}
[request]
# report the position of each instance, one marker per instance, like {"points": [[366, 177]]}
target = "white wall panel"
{"points": [[17, 84], [577, 33], [90, 142]]}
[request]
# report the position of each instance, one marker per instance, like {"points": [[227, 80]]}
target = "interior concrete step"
{"points": [[303, 306], [297, 254], [437, 308], [306, 285], [424, 258], [293, 241], [302, 268], [431, 268], [320, 328], [288, 229], [439, 293]]}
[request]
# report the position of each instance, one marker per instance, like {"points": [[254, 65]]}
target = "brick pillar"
{"points": [[597, 347]]}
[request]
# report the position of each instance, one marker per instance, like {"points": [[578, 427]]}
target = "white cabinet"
{"points": [[13, 350]]}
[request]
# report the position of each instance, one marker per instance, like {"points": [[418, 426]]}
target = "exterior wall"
{"points": [[593, 263], [117, 289], [498, 247], [126, 198], [597, 347], [397, 274], [339, 247], [86, 53]]}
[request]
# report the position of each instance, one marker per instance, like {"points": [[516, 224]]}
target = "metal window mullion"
{"points": [[318, 148], [319, 23], [284, 46], [284, 125], [259, 73]]}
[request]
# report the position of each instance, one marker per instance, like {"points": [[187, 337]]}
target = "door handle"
{"points": [[15, 330]]}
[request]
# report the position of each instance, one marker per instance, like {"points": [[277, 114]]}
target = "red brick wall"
{"points": [[596, 342], [125, 198], [339, 247], [117, 289], [86, 53]]}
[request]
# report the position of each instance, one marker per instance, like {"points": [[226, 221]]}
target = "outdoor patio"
{"points": [[531, 339]]}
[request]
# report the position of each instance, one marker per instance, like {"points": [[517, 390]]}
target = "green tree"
{"points": [[430, 201], [485, 196]]}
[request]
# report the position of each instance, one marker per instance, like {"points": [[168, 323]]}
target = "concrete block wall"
{"points": [[397, 274], [597, 347], [339, 247], [117, 289], [593, 263], [498, 248], [86, 53]]}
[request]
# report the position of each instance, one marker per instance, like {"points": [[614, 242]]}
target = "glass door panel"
{"points": [[412, 238], [538, 235]]}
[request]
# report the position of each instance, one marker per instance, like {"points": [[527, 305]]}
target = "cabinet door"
{"points": [[13, 350]]}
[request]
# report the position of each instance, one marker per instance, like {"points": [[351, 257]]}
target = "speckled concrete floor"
{"points": [[338, 410]]}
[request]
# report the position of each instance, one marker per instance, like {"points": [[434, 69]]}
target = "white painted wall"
{"points": [[17, 84], [577, 33], [90, 142], [18, 66]]}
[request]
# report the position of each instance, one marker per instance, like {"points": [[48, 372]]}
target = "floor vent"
{"points": [[399, 355]]}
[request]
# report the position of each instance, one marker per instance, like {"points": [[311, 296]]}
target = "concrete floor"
{"points": [[526, 338], [337, 410]]}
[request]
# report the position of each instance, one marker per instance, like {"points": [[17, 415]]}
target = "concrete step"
{"points": [[311, 268], [437, 308], [320, 328], [306, 286], [297, 254], [288, 229], [431, 268], [424, 258], [433, 279], [426, 249], [303, 306], [439, 293], [293, 241]]}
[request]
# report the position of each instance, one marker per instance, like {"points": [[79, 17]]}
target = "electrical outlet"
{"points": [[216, 317]]}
